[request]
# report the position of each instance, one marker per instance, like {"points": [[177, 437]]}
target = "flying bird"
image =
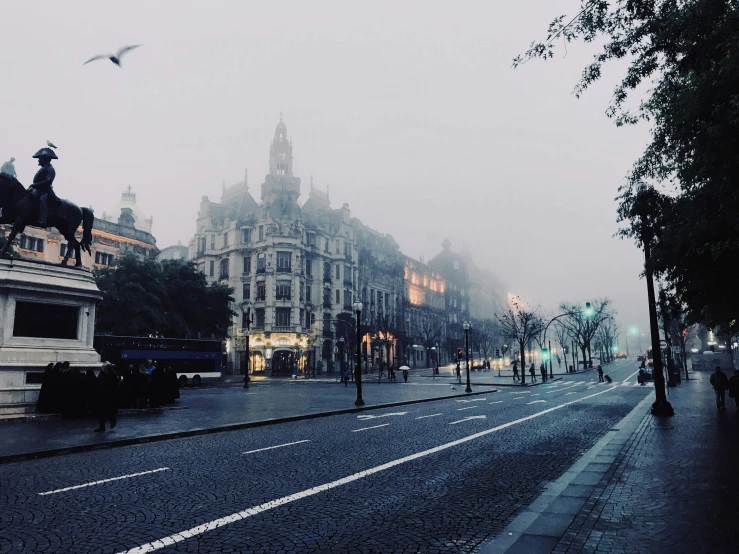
{"points": [[51, 144], [115, 58]]}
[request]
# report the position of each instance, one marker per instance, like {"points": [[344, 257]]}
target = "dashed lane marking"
{"points": [[101, 481], [496, 402], [568, 393], [368, 428], [425, 416], [273, 447], [468, 419], [536, 402], [272, 504], [370, 416], [473, 400], [467, 408]]}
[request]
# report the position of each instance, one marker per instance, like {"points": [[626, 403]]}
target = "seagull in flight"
{"points": [[115, 58], [51, 144]]}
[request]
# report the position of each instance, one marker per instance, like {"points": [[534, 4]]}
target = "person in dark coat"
{"points": [[66, 391], [532, 372], [158, 382], [56, 388], [543, 371], [89, 388], [44, 402], [106, 397], [77, 391]]}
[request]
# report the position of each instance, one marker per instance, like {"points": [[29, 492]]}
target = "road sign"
{"points": [[663, 344]]}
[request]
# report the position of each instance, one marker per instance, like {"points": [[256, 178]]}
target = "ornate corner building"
{"points": [[297, 270]]}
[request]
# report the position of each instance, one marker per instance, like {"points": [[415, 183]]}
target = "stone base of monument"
{"points": [[47, 314]]}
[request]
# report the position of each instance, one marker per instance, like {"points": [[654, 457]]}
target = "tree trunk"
{"points": [[584, 356], [523, 362]]}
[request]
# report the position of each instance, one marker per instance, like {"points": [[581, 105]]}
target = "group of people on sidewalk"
{"points": [[68, 391], [721, 383]]}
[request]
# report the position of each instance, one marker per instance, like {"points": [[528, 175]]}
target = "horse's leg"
{"points": [[13, 233], [67, 253], [77, 253]]}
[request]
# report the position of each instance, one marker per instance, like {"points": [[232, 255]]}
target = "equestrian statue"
{"points": [[39, 206]]}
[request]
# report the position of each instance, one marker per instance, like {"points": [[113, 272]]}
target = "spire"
{"points": [[246, 177], [328, 197], [311, 181]]}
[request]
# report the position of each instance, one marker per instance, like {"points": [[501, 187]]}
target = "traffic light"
{"points": [[460, 353], [497, 352], [545, 354]]}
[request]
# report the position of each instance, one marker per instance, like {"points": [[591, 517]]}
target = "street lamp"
{"points": [[467, 353], [247, 321], [358, 371]]}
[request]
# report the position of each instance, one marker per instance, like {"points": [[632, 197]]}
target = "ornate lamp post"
{"points": [[247, 321], [467, 353], [358, 370]]}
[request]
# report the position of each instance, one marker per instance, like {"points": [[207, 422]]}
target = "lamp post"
{"points": [[358, 370], [467, 353], [246, 341]]}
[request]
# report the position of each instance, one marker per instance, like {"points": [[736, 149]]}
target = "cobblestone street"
{"points": [[442, 476]]}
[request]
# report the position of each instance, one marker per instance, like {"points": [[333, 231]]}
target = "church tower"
{"points": [[280, 179]]}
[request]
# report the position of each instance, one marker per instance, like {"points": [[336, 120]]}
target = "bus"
{"points": [[194, 360]]}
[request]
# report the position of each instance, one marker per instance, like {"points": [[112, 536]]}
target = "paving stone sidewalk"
{"points": [[651, 485]]}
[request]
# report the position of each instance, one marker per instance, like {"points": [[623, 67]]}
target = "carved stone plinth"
{"points": [[47, 314]]}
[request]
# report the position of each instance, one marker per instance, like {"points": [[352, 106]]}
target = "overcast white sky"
{"points": [[409, 110]]}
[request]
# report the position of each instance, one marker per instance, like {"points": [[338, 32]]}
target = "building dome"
{"points": [[127, 206]]}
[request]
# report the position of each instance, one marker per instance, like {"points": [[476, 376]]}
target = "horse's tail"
{"points": [[87, 220]]}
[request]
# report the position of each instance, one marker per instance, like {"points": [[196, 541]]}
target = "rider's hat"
{"points": [[45, 153]]}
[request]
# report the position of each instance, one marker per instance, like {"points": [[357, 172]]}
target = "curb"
{"points": [[219, 429], [22, 418]]}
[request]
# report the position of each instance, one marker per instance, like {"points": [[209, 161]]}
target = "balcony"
{"points": [[348, 307], [287, 269], [327, 304], [261, 270], [327, 278], [283, 328], [348, 283]]}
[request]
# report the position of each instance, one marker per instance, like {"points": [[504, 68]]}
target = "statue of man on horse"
{"points": [[39, 206]]}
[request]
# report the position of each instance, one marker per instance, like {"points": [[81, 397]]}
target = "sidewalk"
{"points": [[650, 485], [213, 409]]}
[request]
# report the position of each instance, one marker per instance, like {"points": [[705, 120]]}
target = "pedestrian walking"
{"points": [[532, 372], [516, 376], [543, 371], [720, 383], [345, 377], [405, 375], [44, 404], [106, 397], [734, 388], [459, 372], [600, 374]]}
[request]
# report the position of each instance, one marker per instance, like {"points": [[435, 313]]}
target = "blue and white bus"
{"points": [[194, 360]]}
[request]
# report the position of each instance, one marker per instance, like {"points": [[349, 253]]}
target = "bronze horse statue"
{"points": [[19, 209]]}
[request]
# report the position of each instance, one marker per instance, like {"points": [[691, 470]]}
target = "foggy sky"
{"points": [[409, 111]]}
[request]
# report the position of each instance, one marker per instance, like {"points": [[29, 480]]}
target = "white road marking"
{"points": [[473, 400], [367, 428], [537, 394], [592, 387], [425, 416], [625, 384], [519, 398], [564, 388], [273, 447], [468, 419], [467, 408], [536, 402], [523, 392], [255, 510], [496, 402], [370, 416], [568, 393], [90, 484]]}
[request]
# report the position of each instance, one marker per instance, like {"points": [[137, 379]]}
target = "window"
{"points": [[101, 258], [212, 268], [212, 242], [225, 239], [246, 235], [338, 246], [261, 291], [63, 249], [300, 297], [283, 290], [348, 249], [372, 297], [311, 239], [347, 300], [245, 316], [338, 272], [201, 245], [261, 263], [309, 294], [32, 243], [308, 267], [261, 232], [284, 262], [301, 319], [326, 298], [347, 275], [364, 295], [456, 264], [308, 317], [259, 318], [247, 264], [338, 296], [327, 245], [223, 269], [282, 316], [246, 291], [327, 272], [327, 325]]}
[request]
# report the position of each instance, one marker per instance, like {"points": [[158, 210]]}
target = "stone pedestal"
{"points": [[47, 314]]}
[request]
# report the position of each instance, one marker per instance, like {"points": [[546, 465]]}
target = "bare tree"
{"points": [[583, 322], [387, 331], [485, 337], [522, 325], [560, 331], [430, 334]]}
